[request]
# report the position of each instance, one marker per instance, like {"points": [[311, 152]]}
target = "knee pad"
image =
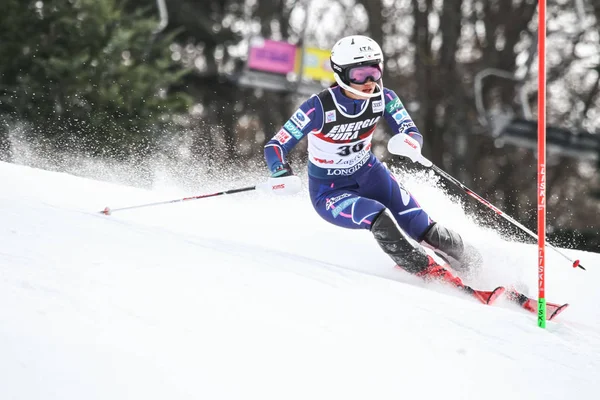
{"points": [[446, 240], [396, 243]]}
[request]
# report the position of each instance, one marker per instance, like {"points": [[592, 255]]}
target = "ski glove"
{"points": [[282, 170]]}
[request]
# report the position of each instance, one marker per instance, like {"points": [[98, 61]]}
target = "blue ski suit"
{"points": [[348, 185]]}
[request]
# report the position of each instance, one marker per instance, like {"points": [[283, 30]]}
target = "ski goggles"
{"points": [[361, 74]]}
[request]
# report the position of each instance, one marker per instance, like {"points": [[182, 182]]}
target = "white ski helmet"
{"points": [[353, 51]]}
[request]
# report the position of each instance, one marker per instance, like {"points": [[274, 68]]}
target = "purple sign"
{"points": [[272, 56]]}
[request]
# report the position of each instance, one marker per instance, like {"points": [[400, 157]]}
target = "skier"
{"points": [[349, 187]]}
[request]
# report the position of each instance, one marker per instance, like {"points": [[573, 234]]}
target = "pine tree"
{"points": [[86, 75]]}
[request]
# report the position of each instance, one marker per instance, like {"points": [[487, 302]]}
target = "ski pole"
{"points": [[285, 185], [483, 201], [109, 211], [406, 146]]}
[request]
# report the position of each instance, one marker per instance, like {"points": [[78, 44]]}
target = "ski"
{"points": [[486, 297], [531, 305]]}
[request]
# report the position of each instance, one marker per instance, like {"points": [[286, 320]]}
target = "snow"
{"points": [[252, 296]]}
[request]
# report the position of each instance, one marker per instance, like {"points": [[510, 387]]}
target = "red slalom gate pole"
{"points": [[541, 176]]}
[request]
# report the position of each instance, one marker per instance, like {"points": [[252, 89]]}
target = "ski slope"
{"points": [[221, 298]]}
